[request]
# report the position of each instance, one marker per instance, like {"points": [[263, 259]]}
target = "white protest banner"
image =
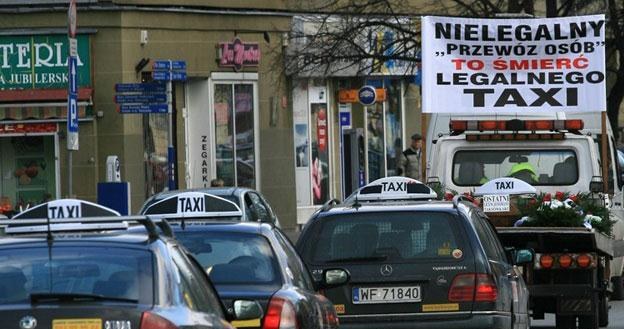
{"points": [[493, 66]]}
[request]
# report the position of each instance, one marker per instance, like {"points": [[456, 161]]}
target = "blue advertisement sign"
{"points": [[367, 95], [143, 108], [141, 98], [140, 88], [169, 65]]}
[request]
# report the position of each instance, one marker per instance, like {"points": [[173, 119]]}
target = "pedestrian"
{"points": [[409, 161], [217, 182]]}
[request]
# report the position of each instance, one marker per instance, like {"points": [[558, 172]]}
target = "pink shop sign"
{"points": [[238, 54]]}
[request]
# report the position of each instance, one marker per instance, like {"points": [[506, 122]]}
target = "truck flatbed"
{"points": [[561, 239]]}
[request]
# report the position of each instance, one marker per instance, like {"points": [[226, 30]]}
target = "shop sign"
{"points": [[351, 95], [238, 54], [321, 130], [20, 128], [40, 61]]}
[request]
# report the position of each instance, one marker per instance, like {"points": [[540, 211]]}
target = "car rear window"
{"points": [[386, 236], [109, 272], [233, 258]]}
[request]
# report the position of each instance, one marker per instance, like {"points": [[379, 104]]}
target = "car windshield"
{"points": [[233, 258], [114, 273], [390, 236], [536, 167]]}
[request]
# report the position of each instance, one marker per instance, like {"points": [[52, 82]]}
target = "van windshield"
{"points": [[536, 167]]}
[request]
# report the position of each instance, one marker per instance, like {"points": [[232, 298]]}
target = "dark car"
{"points": [[253, 205], [415, 262], [92, 273], [247, 260]]}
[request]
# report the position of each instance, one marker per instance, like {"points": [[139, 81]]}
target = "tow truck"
{"points": [[575, 269]]}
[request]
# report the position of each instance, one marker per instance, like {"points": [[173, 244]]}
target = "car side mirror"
{"points": [[247, 310], [333, 278], [523, 256]]}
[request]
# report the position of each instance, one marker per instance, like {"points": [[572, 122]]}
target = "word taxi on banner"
{"points": [[483, 66]]}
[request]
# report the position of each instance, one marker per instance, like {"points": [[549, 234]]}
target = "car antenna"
{"points": [[50, 239]]}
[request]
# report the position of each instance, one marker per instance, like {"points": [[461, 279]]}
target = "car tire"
{"points": [[603, 311], [565, 321], [618, 288]]}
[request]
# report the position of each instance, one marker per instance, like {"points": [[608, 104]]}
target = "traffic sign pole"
{"points": [[72, 93], [170, 149]]}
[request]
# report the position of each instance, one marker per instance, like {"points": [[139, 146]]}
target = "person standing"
{"points": [[409, 161]]}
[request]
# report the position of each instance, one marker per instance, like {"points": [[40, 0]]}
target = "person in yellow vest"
{"points": [[523, 171]]}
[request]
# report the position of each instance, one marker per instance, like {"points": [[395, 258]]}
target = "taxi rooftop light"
{"points": [[395, 188], [460, 126]]}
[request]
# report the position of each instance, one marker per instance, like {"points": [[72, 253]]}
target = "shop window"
{"points": [[155, 154], [234, 133]]}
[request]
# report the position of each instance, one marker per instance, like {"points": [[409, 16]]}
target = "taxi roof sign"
{"points": [[193, 205], [505, 185], [66, 208], [396, 188]]}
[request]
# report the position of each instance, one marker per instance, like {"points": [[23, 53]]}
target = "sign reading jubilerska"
{"points": [[485, 66]]}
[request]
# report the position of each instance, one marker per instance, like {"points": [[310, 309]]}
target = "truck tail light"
{"points": [[150, 320], [583, 260], [470, 287], [280, 315], [546, 261], [565, 261]]}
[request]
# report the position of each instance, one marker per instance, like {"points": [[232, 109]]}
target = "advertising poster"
{"points": [[320, 154], [483, 66]]}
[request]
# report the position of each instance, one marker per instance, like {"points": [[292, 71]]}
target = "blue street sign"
{"points": [[169, 65], [345, 119], [166, 76], [140, 88], [141, 99], [367, 95], [143, 108], [73, 81]]}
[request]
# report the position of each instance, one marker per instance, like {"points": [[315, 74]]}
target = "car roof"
{"points": [[394, 206], [125, 237], [224, 226]]}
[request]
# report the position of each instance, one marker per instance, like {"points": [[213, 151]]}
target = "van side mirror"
{"points": [[596, 185], [523, 256]]}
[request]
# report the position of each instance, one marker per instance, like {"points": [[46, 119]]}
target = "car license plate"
{"points": [[378, 295], [77, 324]]}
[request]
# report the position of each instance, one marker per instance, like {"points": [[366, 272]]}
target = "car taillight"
{"points": [[546, 261], [462, 288], [486, 289], [583, 260], [473, 287], [152, 321], [565, 261], [280, 315]]}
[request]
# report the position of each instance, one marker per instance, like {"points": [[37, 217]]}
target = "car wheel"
{"points": [[618, 288], [565, 322]]}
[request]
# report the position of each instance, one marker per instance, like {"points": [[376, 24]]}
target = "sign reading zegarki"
{"points": [[483, 66]]}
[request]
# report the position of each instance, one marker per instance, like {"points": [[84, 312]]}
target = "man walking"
{"points": [[409, 161]]}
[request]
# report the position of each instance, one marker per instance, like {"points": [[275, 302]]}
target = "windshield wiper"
{"points": [[358, 259], [71, 297]]}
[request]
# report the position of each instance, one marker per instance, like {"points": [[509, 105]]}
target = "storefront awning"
{"points": [[42, 104]]}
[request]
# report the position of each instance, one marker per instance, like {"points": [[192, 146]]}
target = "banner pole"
{"points": [[604, 149]]}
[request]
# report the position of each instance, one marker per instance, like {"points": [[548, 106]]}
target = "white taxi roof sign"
{"points": [[66, 208], [396, 188], [505, 185], [193, 205]]}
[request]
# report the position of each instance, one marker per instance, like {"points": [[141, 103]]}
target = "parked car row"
{"points": [[390, 256]]}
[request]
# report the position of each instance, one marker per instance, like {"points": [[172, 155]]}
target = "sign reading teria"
{"points": [[484, 66]]}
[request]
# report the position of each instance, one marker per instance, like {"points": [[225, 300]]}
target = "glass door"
{"points": [[234, 113]]}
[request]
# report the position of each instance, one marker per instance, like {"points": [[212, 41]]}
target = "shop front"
{"points": [[33, 108]]}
